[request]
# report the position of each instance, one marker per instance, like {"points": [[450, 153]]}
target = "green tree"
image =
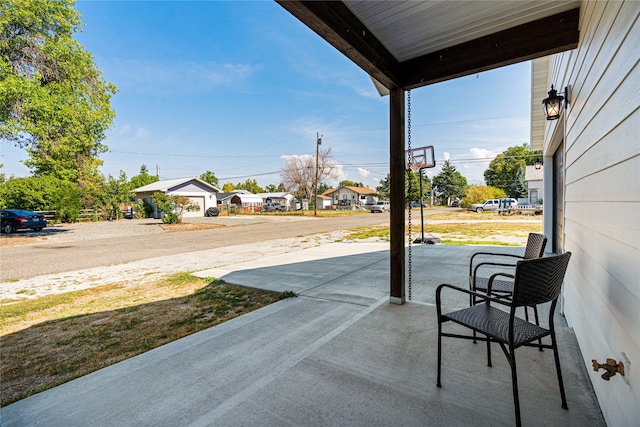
{"points": [[519, 187], [384, 189], [210, 178], [411, 195], [54, 101], [142, 179], [348, 183], [503, 169], [228, 188], [449, 183], [42, 194], [173, 207], [249, 185], [322, 187], [480, 193], [271, 188], [113, 193]]}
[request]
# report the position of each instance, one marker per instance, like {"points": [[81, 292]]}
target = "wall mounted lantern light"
{"points": [[553, 103], [538, 164]]}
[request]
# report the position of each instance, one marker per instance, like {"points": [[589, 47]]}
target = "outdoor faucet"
{"points": [[611, 367]]}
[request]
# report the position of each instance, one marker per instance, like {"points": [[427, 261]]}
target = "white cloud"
{"points": [[447, 156], [364, 172], [481, 153], [286, 157]]}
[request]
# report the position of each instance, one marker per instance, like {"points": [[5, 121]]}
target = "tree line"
{"points": [[505, 177]]}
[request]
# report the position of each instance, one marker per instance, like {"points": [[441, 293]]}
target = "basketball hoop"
{"points": [[420, 158]]}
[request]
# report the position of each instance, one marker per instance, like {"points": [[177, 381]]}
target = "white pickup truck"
{"points": [[494, 205]]}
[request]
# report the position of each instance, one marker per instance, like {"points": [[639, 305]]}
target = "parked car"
{"points": [[455, 204], [381, 206], [18, 219], [273, 207], [493, 205], [417, 205]]}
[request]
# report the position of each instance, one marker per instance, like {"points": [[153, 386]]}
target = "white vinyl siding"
{"points": [[602, 195]]}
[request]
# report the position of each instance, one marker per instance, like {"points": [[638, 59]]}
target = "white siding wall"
{"points": [[602, 196]]}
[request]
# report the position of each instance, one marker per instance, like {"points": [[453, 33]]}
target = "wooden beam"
{"points": [[334, 22], [539, 38], [396, 167]]}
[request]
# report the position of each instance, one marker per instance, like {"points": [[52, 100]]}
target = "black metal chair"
{"points": [[503, 288], [536, 281]]}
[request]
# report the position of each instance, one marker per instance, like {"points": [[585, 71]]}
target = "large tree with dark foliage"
{"points": [[54, 101], [449, 183], [503, 170]]}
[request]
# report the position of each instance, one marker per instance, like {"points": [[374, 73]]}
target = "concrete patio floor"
{"points": [[338, 355]]}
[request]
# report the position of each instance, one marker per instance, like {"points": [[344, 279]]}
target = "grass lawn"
{"points": [[463, 228], [51, 340]]}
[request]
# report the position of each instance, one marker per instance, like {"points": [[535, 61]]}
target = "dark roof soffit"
{"points": [[335, 23]]}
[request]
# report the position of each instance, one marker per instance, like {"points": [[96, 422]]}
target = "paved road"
{"points": [[84, 247]]}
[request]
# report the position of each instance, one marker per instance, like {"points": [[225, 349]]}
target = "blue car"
{"points": [[417, 205], [18, 219]]}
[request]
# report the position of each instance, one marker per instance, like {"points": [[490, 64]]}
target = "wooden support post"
{"points": [[397, 153]]}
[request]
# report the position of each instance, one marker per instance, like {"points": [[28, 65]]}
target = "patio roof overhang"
{"points": [[405, 45], [413, 44]]}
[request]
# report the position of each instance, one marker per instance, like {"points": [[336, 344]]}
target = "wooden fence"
{"points": [[86, 215]]}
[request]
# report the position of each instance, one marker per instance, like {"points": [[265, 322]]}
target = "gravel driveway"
{"points": [[90, 243]]}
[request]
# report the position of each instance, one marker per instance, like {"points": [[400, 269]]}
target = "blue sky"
{"points": [[235, 87]]}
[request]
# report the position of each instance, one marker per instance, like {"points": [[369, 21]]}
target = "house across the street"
{"points": [[348, 197], [244, 200], [199, 193], [283, 197]]}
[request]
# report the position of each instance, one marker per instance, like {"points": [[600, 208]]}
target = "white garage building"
{"points": [[198, 192]]}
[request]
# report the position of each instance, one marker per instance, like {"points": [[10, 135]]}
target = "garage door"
{"points": [[198, 201]]}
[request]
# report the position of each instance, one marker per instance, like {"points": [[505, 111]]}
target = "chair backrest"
{"points": [[535, 246], [539, 280]]}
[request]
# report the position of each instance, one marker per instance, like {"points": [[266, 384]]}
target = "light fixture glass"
{"points": [[538, 164], [553, 104]]}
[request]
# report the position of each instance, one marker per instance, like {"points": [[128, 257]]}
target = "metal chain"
{"points": [[408, 172]]}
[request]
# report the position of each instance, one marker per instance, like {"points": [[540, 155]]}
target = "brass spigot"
{"points": [[611, 367]]}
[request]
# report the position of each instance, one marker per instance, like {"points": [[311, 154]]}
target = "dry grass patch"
{"points": [[51, 340], [189, 226], [501, 233], [466, 215]]}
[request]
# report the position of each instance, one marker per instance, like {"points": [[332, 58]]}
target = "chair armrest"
{"points": [[473, 275], [482, 295], [490, 254], [492, 278]]}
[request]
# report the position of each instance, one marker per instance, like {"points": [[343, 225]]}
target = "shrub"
{"points": [[44, 193], [171, 218], [173, 205], [480, 193]]}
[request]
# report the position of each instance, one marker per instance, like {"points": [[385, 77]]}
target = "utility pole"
{"points": [[315, 202]]}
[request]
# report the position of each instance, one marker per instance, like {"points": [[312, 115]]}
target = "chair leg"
{"points": [[489, 351], [439, 352], [472, 301], [554, 344], [535, 312], [514, 383]]}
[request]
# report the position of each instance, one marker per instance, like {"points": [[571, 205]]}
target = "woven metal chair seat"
{"points": [[498, 286], [494, 322]]}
